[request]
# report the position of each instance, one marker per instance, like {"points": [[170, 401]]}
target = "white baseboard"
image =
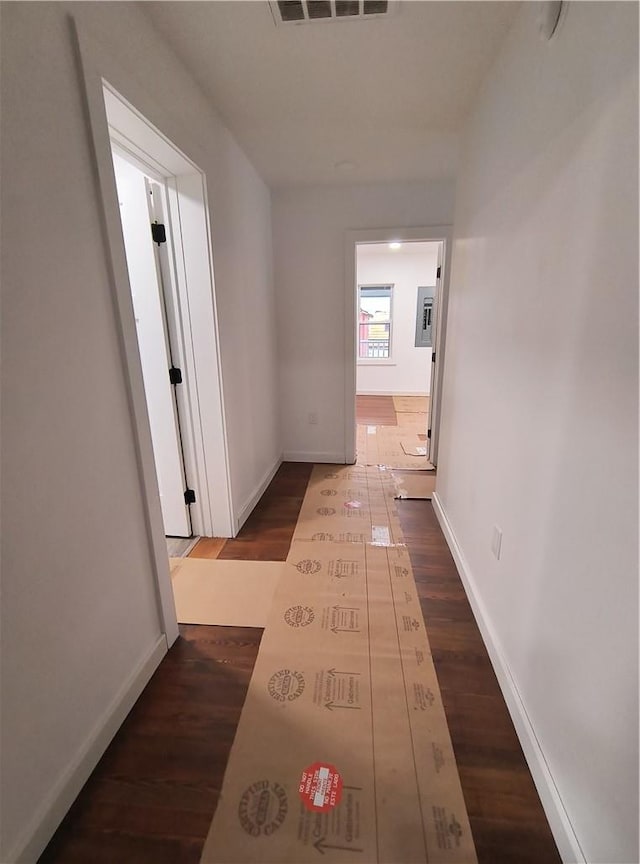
{"points": [[390, 393], [309, 456], [50, 814], [563, 833], [247, 507]]}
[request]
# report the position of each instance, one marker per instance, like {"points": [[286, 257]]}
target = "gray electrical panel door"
{"points": [[425, 317]]}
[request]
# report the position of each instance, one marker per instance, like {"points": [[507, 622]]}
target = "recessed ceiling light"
{"points": [[395, 245]]}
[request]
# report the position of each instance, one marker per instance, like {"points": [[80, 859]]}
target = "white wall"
{"points": [[539, 428], [409, 369], [309, 227], [79, 612]]}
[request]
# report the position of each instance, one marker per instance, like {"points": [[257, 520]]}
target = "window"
{"points": [[374, 321]]}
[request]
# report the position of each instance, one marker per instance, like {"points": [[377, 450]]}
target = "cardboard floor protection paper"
{"points": [[387, 446], [418, 484], [411, 404], [228, 593], [414, 446], [342, 752]]}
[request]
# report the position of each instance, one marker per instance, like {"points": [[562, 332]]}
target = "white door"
{"points": [[435, 359], [149, 310]]}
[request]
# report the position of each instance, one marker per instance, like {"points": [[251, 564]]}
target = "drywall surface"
{"points": [[309, 228], [79, 611], [240, 210], [539, 432], [415, 264]]}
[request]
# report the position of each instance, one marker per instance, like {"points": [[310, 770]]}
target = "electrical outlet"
{"points": [[313, 418], [496, 541]]}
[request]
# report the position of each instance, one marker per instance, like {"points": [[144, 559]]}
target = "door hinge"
{"points": [[433, 356], [438, 272], [189, 496], [429, 434], [175, 375], [158, 233]]}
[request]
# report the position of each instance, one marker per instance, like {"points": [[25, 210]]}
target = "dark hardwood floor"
{"points": [[267, 533], [153, 794], [507, 819]]}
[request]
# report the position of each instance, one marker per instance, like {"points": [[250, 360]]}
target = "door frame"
{"points": [[433, 413], [176, 512], [174, 341], [194, 320], [189, 215], [431, 233]]}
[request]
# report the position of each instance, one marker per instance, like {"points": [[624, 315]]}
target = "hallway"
{"points": [[152, 797], [506, 131]]}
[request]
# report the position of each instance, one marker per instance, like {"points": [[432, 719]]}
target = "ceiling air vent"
{"points": [[309, 11]]}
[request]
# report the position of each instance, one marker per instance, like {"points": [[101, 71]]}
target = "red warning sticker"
{"points": [[320, 787]]}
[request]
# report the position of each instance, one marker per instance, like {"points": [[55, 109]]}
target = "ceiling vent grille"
{"points": [[310, 11]]}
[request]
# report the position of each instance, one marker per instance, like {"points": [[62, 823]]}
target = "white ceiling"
{"points": [[389, 95], [409, 247]]}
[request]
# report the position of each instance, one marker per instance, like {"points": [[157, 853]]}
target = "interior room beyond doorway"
{"points": [[397, 286], [396, 320]]}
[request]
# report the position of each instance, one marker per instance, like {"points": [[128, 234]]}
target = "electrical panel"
{"points": [[425, 317]]}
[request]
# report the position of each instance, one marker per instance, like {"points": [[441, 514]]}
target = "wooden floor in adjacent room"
{"points": [[152, 796]]}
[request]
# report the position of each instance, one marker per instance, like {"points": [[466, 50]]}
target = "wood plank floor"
{"points": [[376, 411], [507, 819], [153, 794], [207, 547], [267, 533]]}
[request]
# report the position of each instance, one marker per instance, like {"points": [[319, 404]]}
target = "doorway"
{"points": [[141, 212], [190, 322], [396, 285], [164, 220], [397, 291]]}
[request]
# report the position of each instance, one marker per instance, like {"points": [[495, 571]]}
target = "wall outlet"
{"points": [[496, 541], [313, 418]]}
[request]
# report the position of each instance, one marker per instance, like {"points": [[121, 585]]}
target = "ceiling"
{"points": [[408, 247], [387, 96]]}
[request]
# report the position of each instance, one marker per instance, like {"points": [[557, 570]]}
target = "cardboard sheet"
{"points": [[343, 750], [418, 484], [414, 446], [229, 593], [411, 404], [413, 422], [387, 446], [340, 507]]}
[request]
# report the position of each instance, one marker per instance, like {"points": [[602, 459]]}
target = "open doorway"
{"points": [[142, 211], [175, 201], [397, 285], [165, 228], [396, 290]]}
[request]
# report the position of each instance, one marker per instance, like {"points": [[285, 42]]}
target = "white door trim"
{"points": [[190, 296], [193, 329], [433, 416], [170, 163], [207, 446], [432, 233]]}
